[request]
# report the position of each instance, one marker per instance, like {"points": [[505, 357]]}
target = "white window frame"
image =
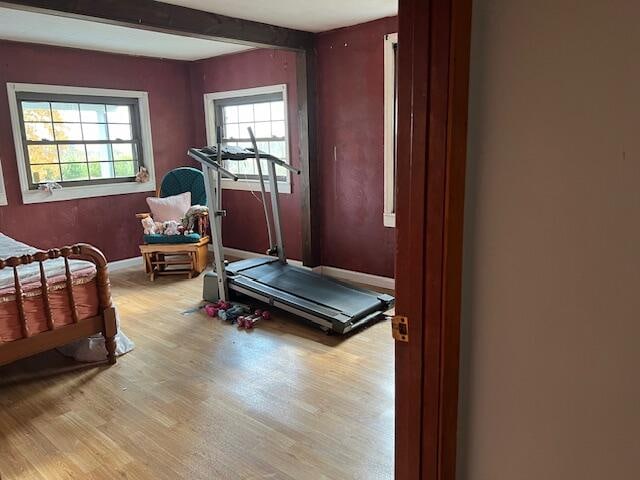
{"points": [[210, 124], [3, 190], [389, 215], [81, 191]]}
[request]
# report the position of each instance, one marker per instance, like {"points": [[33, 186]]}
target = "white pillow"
{"points": [[169, 208]]}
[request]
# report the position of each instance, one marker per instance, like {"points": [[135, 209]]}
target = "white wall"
{"points": [[550, 385]]}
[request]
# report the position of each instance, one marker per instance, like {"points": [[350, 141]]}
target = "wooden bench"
{"points": [[175, 259]]}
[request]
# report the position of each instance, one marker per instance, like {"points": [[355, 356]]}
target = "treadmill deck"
{"points": [[341, 304]]}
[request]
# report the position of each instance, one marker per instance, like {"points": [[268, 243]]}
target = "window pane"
{"points": [[277, 110], [125, 169], [280, 171], [248, 167], [122, 151], [74, 172], [244, 132], [72, 153], [263, 130], [245, 113], [42, 154], [94, 131], [118, 114], [230, 114], [65, 112], [230, 166], [67, 131], [36, 112], [119, 132], [277, 149], [38, 131], [92, 113], [101, 170], [45, 173], [277, 129], [262, 112], [232, 131], [98, 152]]}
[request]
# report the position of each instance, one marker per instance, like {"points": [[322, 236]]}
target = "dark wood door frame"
{"points": [[433, 55], [177, 20]]}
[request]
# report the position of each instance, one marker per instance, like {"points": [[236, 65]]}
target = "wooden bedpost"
{"points": [[110, 329]]}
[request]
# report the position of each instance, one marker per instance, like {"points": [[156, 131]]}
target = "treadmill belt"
{"points": [[314, 287]]}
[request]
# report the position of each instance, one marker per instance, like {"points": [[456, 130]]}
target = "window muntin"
{"points": [[79, 140], [265, 114]]}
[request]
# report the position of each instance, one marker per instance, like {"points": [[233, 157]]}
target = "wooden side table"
{"points": [[175, 258]]}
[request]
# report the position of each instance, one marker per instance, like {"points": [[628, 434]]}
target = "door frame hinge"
{"points": [[400, 328]]}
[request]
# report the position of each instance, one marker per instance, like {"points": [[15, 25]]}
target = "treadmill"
{"points": [[332, 305]]}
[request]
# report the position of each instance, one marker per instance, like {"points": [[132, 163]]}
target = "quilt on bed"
{"points": [[85, 291]]}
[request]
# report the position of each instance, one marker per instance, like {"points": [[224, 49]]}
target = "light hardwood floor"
{"points": [[199, 399]]}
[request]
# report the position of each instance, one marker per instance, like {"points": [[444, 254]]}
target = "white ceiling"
{"points": [[309, 15], [66, 32]]}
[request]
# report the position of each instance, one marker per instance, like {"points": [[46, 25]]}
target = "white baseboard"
{"points": [[125, 263], [337, 273], [359, 277], [234, 252]]}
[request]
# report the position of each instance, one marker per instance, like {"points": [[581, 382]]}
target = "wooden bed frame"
{"points": [[56, 336]]}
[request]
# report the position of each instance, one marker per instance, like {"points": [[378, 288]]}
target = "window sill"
{"points": [[86, 191], [254, 186], [389, 220]]}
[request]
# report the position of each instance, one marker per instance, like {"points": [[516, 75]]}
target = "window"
{"points": [[264, 109], [89, 141], [73, 140], [390, 127]]}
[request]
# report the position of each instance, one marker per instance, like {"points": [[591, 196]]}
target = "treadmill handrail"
{"points": [[206, 160], [276, 160], [239, 156]]}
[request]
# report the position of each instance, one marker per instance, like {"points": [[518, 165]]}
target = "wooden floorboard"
{"points": [[199, 399]]}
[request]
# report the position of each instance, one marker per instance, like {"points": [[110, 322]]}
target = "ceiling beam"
{"points": [[174, 19]]}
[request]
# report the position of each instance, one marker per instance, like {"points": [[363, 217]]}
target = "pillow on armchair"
{"points": [[169, 208]]}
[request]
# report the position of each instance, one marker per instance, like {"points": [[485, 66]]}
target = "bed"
{"points": [[51, 298]]}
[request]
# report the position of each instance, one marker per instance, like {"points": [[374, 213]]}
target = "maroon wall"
{"points": [[107, 222], [244, 227], [351, 148]]}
